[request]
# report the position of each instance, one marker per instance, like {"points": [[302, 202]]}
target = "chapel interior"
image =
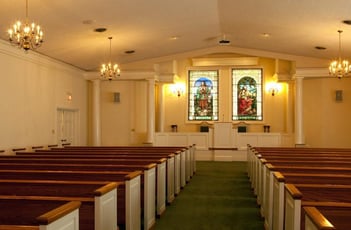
{"points": [[226, 107], [54, 94]]}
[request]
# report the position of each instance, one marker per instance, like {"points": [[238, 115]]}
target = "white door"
{"points": [[67, 126]]}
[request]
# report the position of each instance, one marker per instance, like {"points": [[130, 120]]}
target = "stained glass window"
{"points": [[247, 94], [203, 95]]}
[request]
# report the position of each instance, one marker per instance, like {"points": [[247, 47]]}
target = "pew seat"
{"points": [[25, 213], [128, 195], [102, 195]]}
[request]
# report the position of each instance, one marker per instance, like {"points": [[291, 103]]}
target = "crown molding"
{"points": [[35, 57]]}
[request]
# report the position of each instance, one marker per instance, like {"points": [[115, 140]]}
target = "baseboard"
{"points": [[215, 148]]}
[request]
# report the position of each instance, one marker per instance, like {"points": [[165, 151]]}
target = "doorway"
{"points": [[67, 126]]}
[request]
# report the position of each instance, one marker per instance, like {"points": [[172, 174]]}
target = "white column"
{"points": [[290, 107], [151, 111], [161, 108], [299, 131], [96, 119]]}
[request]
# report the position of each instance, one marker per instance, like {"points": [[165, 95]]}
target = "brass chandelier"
{"points": [[339, 68], [26, 35], [109, 71]]}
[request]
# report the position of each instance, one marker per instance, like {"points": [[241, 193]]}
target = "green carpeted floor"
{"points": [[218, 197]]}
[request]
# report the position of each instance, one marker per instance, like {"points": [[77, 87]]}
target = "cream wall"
{"points": [[32, 88], [129, 117], [124, 122], [327, 122], [274, 111]]}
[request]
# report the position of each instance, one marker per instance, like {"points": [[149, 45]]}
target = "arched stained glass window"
{"points": [[203, 95], [247, 94]]}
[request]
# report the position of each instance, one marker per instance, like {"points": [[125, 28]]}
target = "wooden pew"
{"points": [[148, 180], [300, 178], [36, 214], [176, 159], [261, 183], [292, 161], [327, 216], [98, 199], [179, 160], [257, 168], [274, 188], [300, 195], [283, 151], [298, 149], [254, 153], [163, 165], [256, 161], [128, 207], [160, 170], [187, 159], [332, 156], [261, 178], [188, 150]]}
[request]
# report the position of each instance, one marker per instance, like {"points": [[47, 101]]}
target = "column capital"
{"points": [[95, 80], [311, 72]]}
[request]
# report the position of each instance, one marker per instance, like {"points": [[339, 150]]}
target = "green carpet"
{"points": [[217, 197]]}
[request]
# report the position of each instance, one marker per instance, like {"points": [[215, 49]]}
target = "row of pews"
{"points": [[91, 188], [302, 188]]}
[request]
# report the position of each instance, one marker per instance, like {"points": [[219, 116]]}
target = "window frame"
{"points": [[191, 101], [235, 116]]}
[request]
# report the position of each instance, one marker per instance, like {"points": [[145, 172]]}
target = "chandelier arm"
{"points": [[109, 71], [26, 35], [339, 68]]}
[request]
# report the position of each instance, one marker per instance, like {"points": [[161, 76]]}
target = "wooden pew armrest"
{"points": [[133, 175], [59, 212], [18, 227], [318, 219], [294, 192], [279, 177], [105, 189]]}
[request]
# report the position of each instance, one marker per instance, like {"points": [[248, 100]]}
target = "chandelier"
{"points": [[25, 35], [109, 71], [339, 68]]}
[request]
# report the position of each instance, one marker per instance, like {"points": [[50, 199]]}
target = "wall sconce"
{"points": [[178, 89], [273, 87], [69, 96]]}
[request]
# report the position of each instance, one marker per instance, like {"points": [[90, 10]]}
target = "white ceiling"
{"points": [[147, 26]]}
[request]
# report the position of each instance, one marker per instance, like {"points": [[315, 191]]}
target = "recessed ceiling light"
{"points": [[347, 22], [266, 35], [174, 37], [129, 51], [224, 42], [100, 30], [320, 48]]}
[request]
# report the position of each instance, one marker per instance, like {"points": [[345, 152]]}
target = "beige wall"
{"points": [[274, 111], [123, 123], [32, 88], [327, 122]]}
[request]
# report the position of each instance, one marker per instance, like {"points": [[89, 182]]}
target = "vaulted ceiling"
{"points": [[156, 28]]}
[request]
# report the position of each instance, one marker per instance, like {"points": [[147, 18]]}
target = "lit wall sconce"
{"points": [[273, 88], [178, 89], [69, 96]]}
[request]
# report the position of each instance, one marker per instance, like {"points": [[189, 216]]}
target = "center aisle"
{"points": [[217, 197]]}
